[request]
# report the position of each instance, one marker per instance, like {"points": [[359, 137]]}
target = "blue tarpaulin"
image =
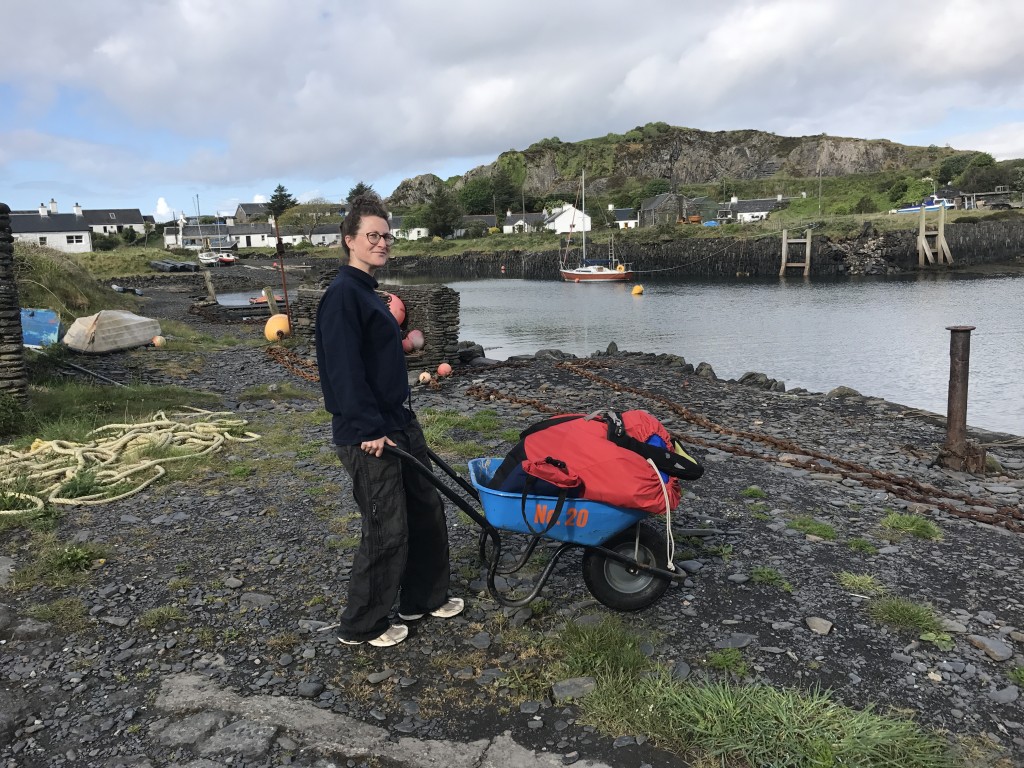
{"points": [[39, 327]]}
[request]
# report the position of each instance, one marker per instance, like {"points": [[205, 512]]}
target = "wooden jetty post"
{"points": [[958, 452], [211, 292], [928, 250], [786, 263], [268, 294]]}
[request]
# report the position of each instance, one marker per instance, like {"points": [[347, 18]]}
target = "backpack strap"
{"points": [[675, 463], [555, 472]]}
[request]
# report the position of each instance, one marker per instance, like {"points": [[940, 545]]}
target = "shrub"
{"points": [[102, 242], [12, 415], [865, 205]]}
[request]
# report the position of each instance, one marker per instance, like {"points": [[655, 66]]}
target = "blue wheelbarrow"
{"points": [[625, 557]]}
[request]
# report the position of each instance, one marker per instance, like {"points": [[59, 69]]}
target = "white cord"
{"points": [[670, 542]]}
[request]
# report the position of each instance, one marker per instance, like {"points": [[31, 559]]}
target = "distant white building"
{"points": [[68, 232], [567, 219]]}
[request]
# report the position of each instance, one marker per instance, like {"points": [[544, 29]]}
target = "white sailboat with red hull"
{"points": [[594, 269]]}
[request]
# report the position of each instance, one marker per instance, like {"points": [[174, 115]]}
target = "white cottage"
{"points": [[66, 232]]}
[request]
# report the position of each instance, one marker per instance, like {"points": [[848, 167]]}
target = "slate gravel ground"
{"points": [[253, 552]]}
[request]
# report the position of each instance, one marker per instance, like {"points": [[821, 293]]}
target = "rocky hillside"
{"points": [[680, 156]]}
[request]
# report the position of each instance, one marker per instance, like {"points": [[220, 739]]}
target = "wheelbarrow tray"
{"points": [[582, 521]]}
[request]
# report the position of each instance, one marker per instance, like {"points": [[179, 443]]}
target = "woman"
{"points": [[403, 551]]}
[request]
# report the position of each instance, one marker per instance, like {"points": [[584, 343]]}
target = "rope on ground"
{"points": [[115, 464]]}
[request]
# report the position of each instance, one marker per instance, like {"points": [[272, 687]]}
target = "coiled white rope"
{"points": [[114, 458]]}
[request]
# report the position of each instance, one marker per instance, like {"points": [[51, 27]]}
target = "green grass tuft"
{"points": [[861, 583], [753, 492], [158, 617], [728, 660], [813, 527], [863, 546], [66, 614], [771, 577], [913, 525], [901, 613]]}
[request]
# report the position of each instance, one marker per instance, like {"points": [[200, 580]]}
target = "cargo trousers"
{"points": [[403, 550]]}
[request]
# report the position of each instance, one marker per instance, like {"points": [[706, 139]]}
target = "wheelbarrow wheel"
{"points": [[618, 586]]}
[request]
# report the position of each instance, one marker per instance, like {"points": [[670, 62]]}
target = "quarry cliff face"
{"points": [[682, 156]]}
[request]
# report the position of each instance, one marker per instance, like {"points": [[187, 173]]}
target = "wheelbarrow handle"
{"points": [[411, 461]]}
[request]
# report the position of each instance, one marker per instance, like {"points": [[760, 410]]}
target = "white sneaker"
{"points": [[453, 607], [393, 635]]}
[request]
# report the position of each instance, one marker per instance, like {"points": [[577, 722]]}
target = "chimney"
{"points": [[78, 210], [508, 213], [53, 205], [734, 199], [779, 198], [43, 210]]}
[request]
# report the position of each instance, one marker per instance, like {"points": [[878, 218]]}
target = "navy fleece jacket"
{"points": [[359, 355]]}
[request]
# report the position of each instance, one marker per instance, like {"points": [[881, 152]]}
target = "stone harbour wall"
{"points": [[13, 373], [433, 309], [870, 252]]}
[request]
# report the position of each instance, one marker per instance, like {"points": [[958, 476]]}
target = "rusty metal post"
{"points": [[959, 453]]}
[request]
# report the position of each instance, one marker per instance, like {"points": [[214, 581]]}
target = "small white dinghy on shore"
{"points": [[109, 331]]}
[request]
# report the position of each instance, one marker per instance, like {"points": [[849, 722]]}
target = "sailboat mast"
{"points": [[583, 222]]}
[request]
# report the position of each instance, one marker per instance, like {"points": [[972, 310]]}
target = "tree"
{"points": [[280, 202], [442, 213], [359, 190], [148, 228], [306, 217], [865, 205], [129, 235], [477, 195]]}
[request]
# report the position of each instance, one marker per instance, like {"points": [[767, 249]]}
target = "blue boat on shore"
{"points": [[930, 203], [39, 327]]}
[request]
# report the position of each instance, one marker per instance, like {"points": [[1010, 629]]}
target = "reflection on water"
{"points": [[884, 338]]}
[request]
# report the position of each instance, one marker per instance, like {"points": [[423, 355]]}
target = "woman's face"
{"points": [[365, 255]]}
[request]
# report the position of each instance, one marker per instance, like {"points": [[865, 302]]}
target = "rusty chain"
{"points": [[905, 488], [297, 365]]}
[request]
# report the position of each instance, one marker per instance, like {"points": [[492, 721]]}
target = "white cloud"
{"points": [[162, 211], [192, 93], [260, 198]]}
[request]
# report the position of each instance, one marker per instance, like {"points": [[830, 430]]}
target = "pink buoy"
{"points": [[397, 307], [444, 369], [407, 345], [416, 337]]}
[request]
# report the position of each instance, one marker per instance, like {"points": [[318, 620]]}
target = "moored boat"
{"points": [[594, 269]]}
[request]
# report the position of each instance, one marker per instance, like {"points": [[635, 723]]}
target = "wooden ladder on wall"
{"points": [[786, 263], [928, 250]]}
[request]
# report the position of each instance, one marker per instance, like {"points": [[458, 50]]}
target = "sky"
{"points": [[199, 105]]}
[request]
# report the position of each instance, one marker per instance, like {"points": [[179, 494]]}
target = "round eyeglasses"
{"points": [[375, 237]]}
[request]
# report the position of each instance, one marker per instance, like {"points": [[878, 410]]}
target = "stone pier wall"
{"points": [[13, 374], [870, 253], [433, 309]]}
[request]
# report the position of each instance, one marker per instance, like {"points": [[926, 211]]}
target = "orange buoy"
{"points": [[159, 341], [407, 345], [417, 339], [278, 327], [444, 370], [397, 307], [638, 290]]}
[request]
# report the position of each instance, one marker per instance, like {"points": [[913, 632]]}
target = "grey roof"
{"points": [[110, 216], [252, 208], [29, 222], [526, 218], [623, 214], [487, 219], [657, 201], [256, 228]]}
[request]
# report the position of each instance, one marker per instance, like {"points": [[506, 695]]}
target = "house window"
{"points": [[42, 241], [112, 215], [74, 239]]}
